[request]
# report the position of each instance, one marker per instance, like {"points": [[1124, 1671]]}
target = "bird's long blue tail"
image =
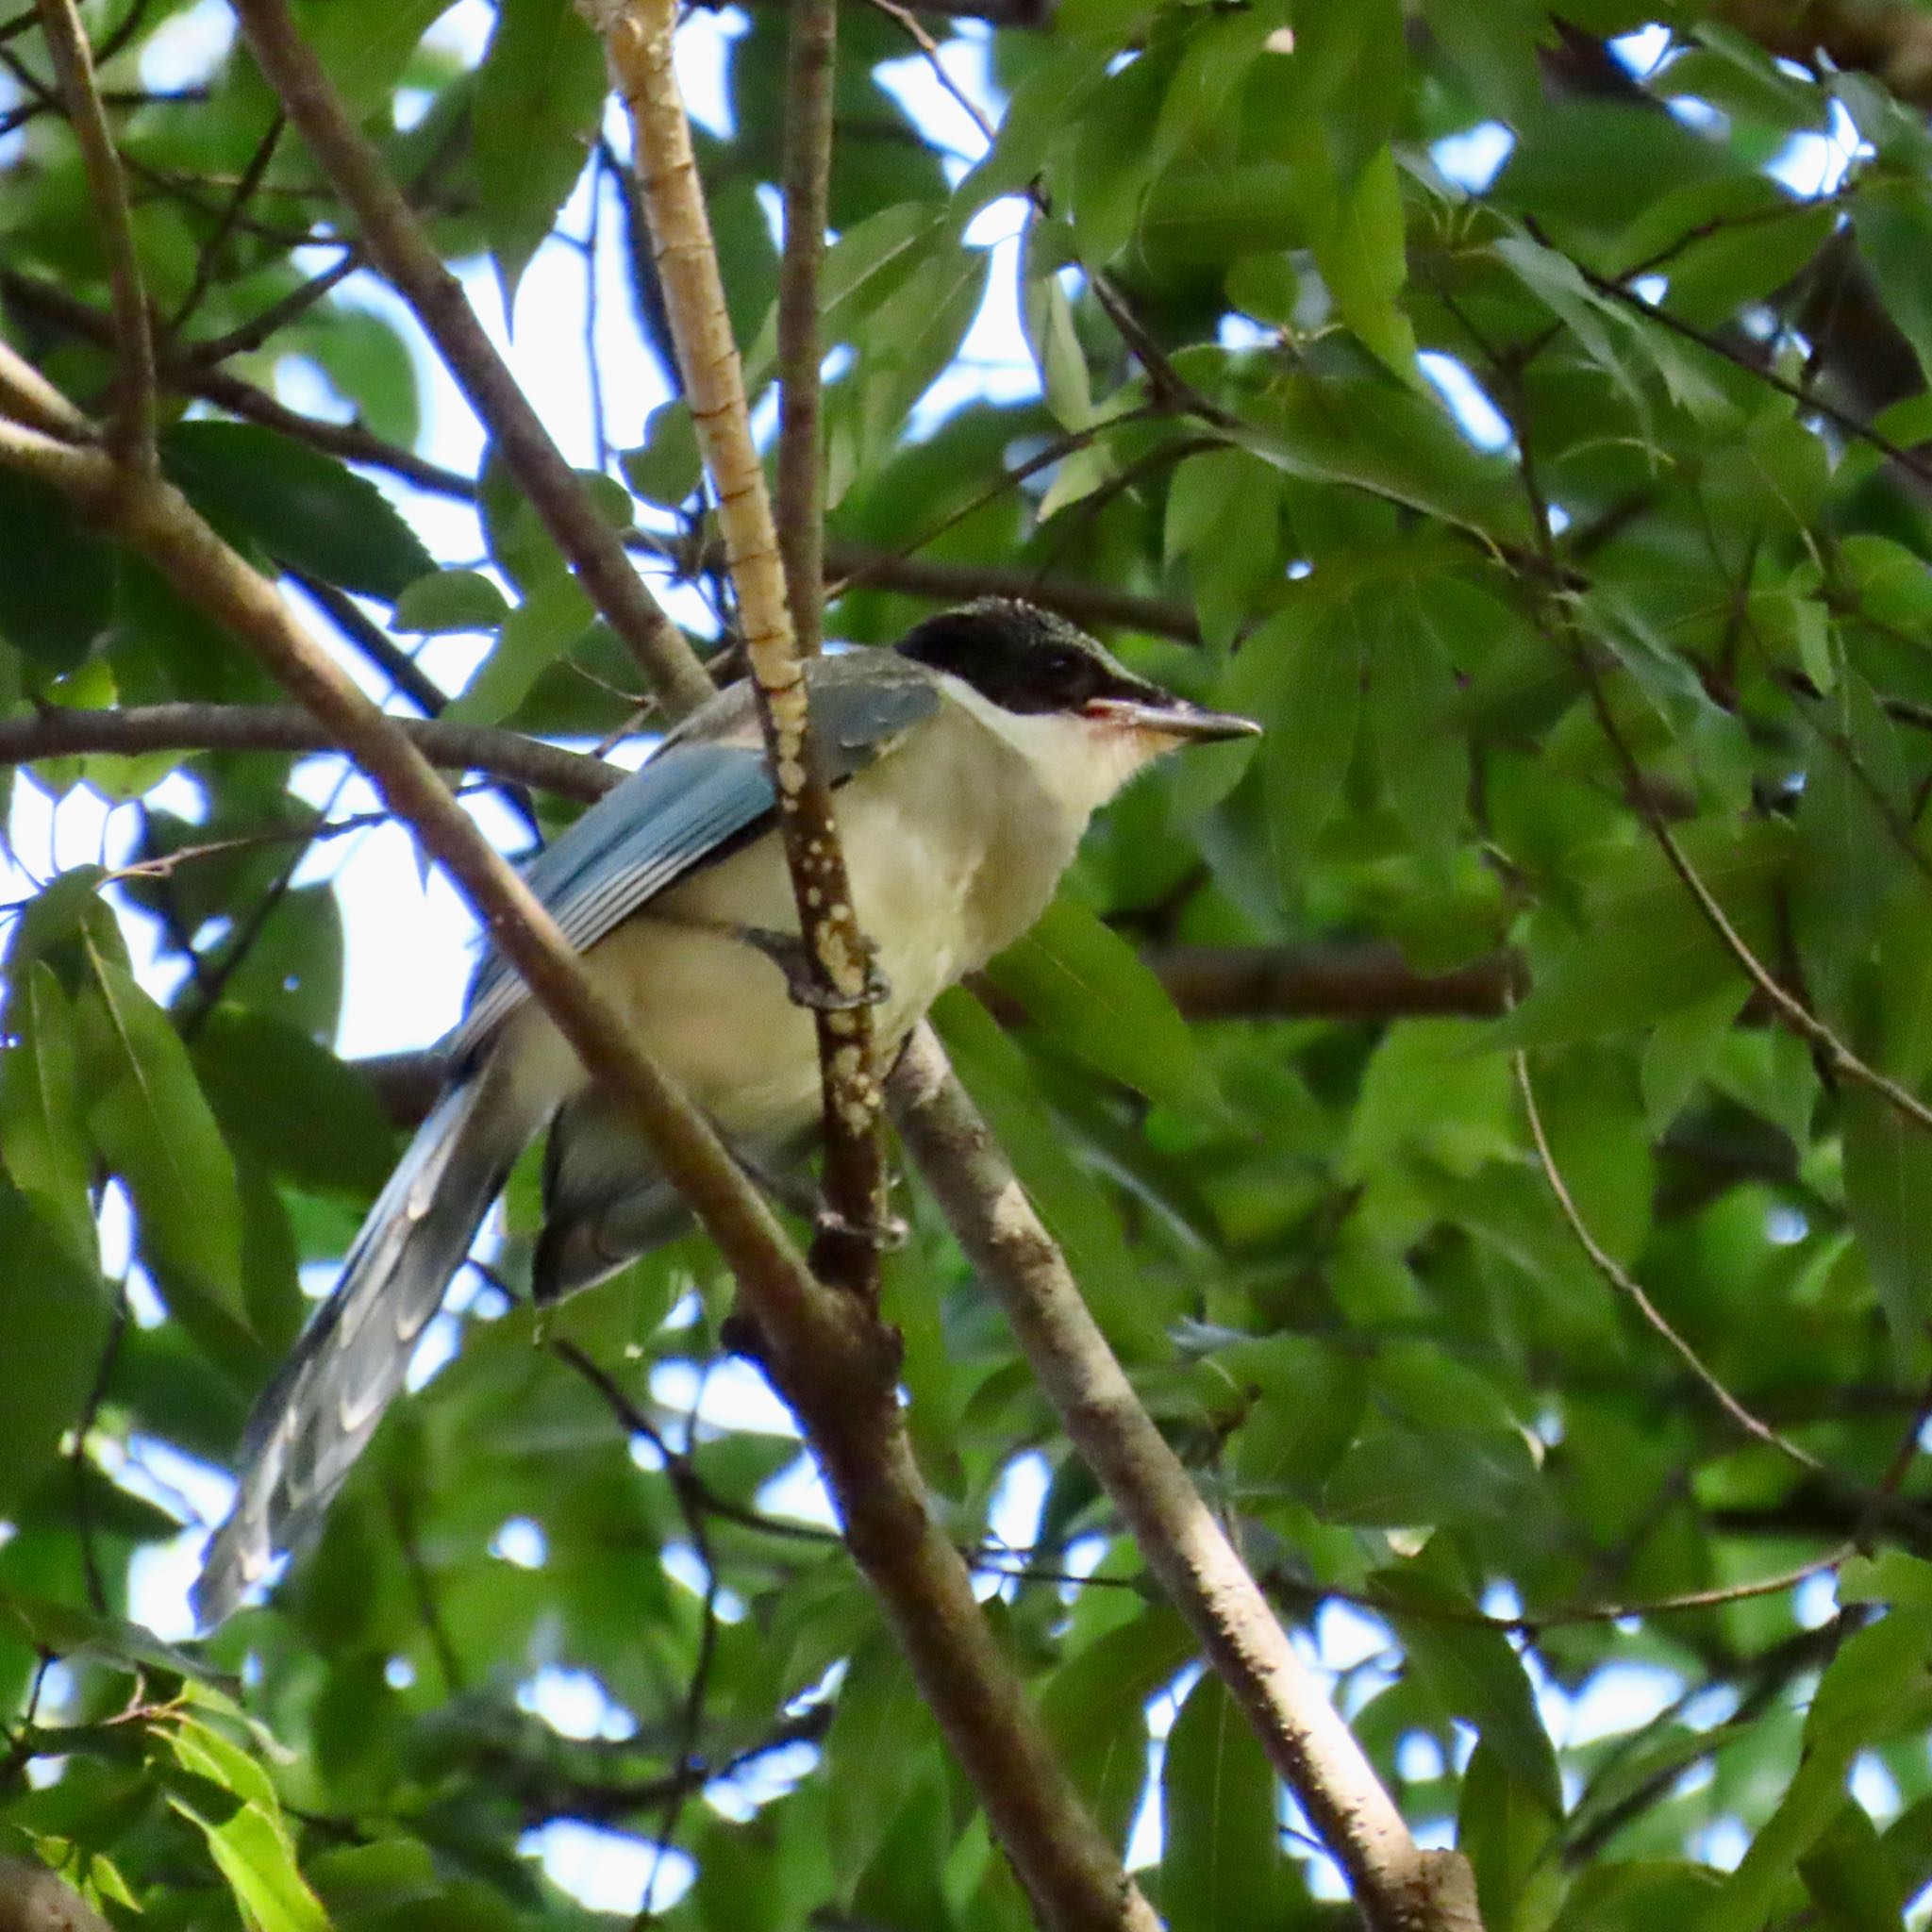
{"points": [[314, 1419]]}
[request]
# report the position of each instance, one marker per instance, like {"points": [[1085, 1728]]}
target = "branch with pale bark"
{"points": [[835, 1362], [826, 1349], [396, 243], [1399, 1886], [637, 37], [56, 732], [948, 580]]}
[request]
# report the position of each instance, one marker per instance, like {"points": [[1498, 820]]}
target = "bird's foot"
{"points": [[887, 1234], [793, 958]]}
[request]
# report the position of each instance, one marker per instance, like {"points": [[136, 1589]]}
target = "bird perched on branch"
{"points": [[968, 761]]}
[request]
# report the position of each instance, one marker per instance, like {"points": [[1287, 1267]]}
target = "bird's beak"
{"points": [[1172, 717]]}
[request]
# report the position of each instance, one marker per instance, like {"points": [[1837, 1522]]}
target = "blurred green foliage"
{"points": [[1487, 410]]}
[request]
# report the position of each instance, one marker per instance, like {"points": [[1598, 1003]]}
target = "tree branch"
{"points": [[1345, 980], [56, 732], [825, 1350], [811, 56], [132, 433], [1399, 1886], [847, 564], [396, 243], [638, 36], [1625, 1284]]}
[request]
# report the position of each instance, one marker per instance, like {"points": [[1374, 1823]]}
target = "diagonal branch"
{"points": [[133, 430], [1784, 1004], [1399, 1886], [826, 1350], [1633, 1290], [397, 245], [638, 36]]}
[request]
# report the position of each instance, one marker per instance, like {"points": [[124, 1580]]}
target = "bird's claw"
{"points": [[888, 1234], [793, 958]]}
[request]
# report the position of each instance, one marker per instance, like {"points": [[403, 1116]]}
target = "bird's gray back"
{"points": [[696, 799]]}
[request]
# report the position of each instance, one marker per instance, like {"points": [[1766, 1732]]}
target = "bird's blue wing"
{"points": [[694, 799]]}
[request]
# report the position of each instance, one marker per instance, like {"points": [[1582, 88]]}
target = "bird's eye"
{"points": [[1064, 665]]}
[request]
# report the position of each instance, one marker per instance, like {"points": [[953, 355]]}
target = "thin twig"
{"points": [[1681, 1604], [132, 435], [1849, 421], [208, 258], [252, 333], [813, 46], [396, 243], [638, 36], [59, 732], [83, 1428], [1784, 1004], [1633, 1290], [1398, 1886]]}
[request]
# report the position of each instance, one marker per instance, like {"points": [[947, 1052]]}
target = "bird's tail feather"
{"points": [[314, 1419]]}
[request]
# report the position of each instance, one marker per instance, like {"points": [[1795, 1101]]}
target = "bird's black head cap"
{"points": [[1019, 657]]}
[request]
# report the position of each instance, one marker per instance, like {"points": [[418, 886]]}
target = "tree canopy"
{"points": [[1490, 1118]]}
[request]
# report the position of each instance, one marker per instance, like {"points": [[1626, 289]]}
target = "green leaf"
{"points": [[1301, 1402], [1056, 352], [1888, 1183], [1850, 1878], [551, 621], [1600, 163], [1505, 1831], [451, 600], [292, 1103], [1474, 1673], [1412, 694], [364, 49], [1401, 1480], [1312, 663], [1373, 435], [1069, 1200], [57, 578], [539, 95], [1874, 1689], [864, 268], [305, 509], [54, 1312], [1893, 225], [155, 1127], [1681, 1049], [247, 1839], [68, 1631], [1601, 984], [1220, 1861], [668, 468], [1085, 987], [1355, 59], [1364, 260], [43, 1141], [1094, 1710]]}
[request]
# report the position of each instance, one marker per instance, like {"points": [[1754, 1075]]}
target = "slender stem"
{"points": [[397, 244], [1399, 1886], [638, 36], [133, 431], [1784, 1005], [59, 732], [811, 68], [1633, 1290]]}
